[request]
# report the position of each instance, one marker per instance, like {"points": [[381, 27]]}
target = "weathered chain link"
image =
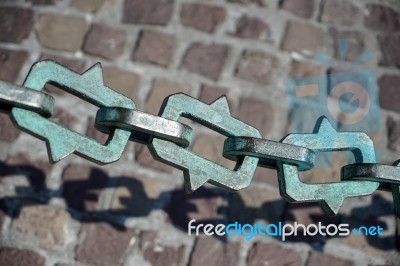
{"points": [[168, 139]]}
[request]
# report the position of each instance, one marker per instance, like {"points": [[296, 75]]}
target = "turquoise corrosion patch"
{"points": [[198, 170], [62, 141]]}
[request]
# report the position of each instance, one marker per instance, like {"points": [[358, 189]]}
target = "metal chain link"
{"points": [[168, 139]]}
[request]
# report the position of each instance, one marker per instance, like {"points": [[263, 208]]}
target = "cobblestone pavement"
{"points": [[135, 211]]}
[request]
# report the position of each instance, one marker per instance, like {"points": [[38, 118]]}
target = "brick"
{"points": [[356, 42], [144, 157], [302, 37], [153, 12], [247, 2], [203, 205], [270, 254], [34, 171], [209, 94], [104, 41], [300, 69], [389, 96], [11, 62], [43, 2], [103, 244], [15, 24], [160, 89], [212, 251], [19, 257], [301, 8], [210, 147], [157, 254], [317, 258], [63, 118], [257, 66], [393, 128], [93, 133], [42, 223], [122, 81], [88, 5], [265, 175], [390, 50], [382, 18], [252, 28], [8, 132], [258, 114], [61, 32], [254, 204], [201, 16], [206, 60], [154, 47], [74, 64], [339, 12], [136, 195], [83, 186]]}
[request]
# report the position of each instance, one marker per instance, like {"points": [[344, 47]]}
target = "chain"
{"points": [[168, 139]]}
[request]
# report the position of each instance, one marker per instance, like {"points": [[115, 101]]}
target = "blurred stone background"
{"points": [[135, 211]]}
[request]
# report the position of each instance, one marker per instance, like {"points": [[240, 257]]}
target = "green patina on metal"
{"points": [[62, 141], [387, 176], [198, 170], [329, 195]]}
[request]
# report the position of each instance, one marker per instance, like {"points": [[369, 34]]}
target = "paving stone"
{"points": [[258, 114], [15, 24], [270, 254], [61, 32], [42, 223], [317, 258], [209, 94], [356, 42], [144, 157], [88, 5], [206, 60], [19, 257], [8, 132], [122, 81], [390, 50], [212, 251], [154, 47], [255, 204], [157, 254], [393, 128], [34, 171], [211, 147], [160, 89], [265, 175], [301, 8], [11, 62], [103, 244], [257, 66], [389, 96], [382, 18], [247, 2], [105, 42], [204, 205], [252, 28], [136, 195], [300, 69], [201, 16], [339, 12], [43, 2], [302, 37], [154, 12], [83, 186], [93, 133]]}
